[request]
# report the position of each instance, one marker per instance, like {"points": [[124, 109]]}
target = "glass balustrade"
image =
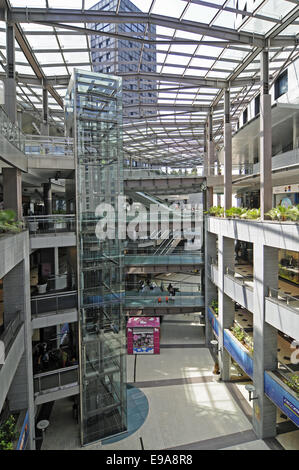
{"points": [[11, 132], [49, 146]]}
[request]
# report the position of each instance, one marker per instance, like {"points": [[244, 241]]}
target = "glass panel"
{"points": [[94, 119]]}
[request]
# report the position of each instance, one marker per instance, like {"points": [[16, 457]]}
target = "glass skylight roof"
{"points": [[201, 47]]}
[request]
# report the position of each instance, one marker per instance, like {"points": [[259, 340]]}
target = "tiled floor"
{"points": [[188, 407]]}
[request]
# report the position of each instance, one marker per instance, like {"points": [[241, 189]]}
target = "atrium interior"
{"points": [[149, 225]]}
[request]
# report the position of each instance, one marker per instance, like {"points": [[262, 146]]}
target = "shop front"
{"points": [[143, 335]]}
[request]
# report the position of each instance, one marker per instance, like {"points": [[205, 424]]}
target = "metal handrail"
{"points": [[55, 373], [48, 223], [240, 280], [11, 329], [11, 131], [285, 298], [47, 145], [57, 296]]}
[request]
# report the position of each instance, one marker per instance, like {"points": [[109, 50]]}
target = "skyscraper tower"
{"points": [[122, 56]]}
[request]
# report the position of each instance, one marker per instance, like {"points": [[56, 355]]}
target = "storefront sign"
{"points": [[22, 442]]}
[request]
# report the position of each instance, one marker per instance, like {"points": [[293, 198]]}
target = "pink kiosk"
{"points": [[143, 335]]}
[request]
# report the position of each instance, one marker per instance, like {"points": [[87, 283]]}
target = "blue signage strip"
{"points": [[213, 321], [288, 404], [241, 357], [22, 442]]}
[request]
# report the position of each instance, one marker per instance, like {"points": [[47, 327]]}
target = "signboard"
{"points": [[22, 442], [290, 188], [288, 403]]}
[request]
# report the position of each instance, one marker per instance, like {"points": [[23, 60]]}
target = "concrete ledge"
{"points": [[282, 317], [53, 318], [57, 394], [283, 235], [241, 294], [8, 369], [49, 162], [13, 249], [214, 275], [52, 240]]}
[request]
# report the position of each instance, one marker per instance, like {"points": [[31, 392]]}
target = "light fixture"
{"points": [[214, 344], [251, 389]]}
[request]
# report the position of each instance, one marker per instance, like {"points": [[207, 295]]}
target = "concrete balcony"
{"points": [[13, 249], [54, 309], [13, 340], [282, 312], [51, 231], [237, 289], [56, 384], [282, 235], [163, 263]]}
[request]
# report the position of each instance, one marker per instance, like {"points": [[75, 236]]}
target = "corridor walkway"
{"points": [[188, 407]]}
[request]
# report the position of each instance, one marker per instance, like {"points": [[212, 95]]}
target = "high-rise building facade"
{"points": [[122, 56]]}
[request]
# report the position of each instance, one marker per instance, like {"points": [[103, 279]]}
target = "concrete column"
{"points": [[9, 81], [47, 187], [265, 138], [21, 394], [264, 338], [45, 124], [56, 266], [205, 150], [227, 152], [210, 288], [295, 132], [211, 145], [12, 190], [226, 306], [210, 197]]}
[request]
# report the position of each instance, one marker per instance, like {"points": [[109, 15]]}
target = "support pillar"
{"points": [[227, 152], [210, 288], [21, 393], [264, 339], [45, 125], [56, 266], [265, 139], [10, 82], [48, 198], [295, 132], [226, 306], [12, 190]]}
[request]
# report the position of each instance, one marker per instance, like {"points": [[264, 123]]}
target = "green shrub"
{"points": [[235, 212], [7, 434], [214, 305], [293, 383], [8, 222], [216, 211], [251, 214]]}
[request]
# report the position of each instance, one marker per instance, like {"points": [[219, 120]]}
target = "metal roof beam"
{"points": [[50, 16]]}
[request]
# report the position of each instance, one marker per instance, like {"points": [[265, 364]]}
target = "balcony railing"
{"points": [[210, 170], [39, 224], [58, 379], [53, 303], [10, 332], [11, 131], [239, 278], [286, 299], [49, 146]]}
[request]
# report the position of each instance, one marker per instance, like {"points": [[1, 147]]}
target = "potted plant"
{"points": [[8, 222], [7, 434], [42, 285]]}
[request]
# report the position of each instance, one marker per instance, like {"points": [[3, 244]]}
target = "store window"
{"points": [[281, 84]]}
